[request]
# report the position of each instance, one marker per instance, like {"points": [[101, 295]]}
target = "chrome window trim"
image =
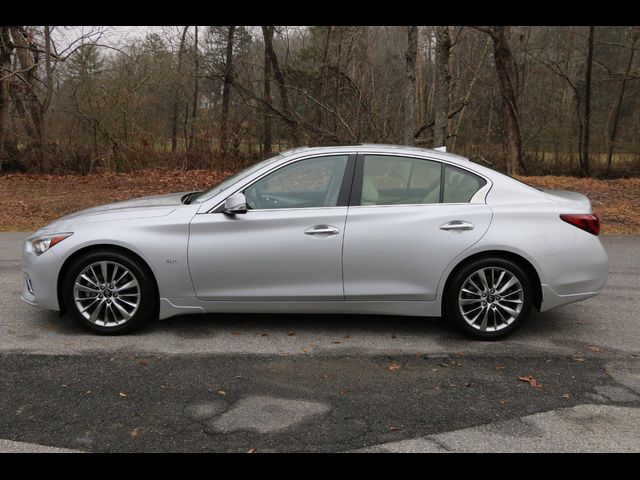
{"points": [[273, 170], [480, 197]]}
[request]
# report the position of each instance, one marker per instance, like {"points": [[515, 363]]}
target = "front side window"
{"points": [[391, 180], [314, 182]]}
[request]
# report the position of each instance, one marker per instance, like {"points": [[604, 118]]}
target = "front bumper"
{"points": [[39, 286]]}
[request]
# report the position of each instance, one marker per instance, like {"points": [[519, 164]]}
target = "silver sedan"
{"points": [[365, 229]]}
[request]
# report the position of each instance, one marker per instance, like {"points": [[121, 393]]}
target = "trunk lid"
{"points": [[573, 200]]}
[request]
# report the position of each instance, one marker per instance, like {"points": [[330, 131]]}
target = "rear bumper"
{"points": [[550, 299], [575, 275]]}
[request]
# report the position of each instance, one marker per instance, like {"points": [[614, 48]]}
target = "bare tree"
{"points": [[25, 52], [410, 86], [6, 50], [266, 110], [585, 126], [292, 124], [441, 90], [616, 116], [178, 92], [509, 87], [196, 73], [226, 91]]}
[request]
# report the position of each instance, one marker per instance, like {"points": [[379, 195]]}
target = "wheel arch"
{"points": [[100, 248], [519, 260]]}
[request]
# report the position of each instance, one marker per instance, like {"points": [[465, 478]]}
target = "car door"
{"points": [[288, 246], [408, 219]]}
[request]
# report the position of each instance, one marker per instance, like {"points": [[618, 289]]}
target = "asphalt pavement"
{"points": [[330, 383]]}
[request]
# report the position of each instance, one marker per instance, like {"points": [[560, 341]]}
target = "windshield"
{"points": [[227, 182]]}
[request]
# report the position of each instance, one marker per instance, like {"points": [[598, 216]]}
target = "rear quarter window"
{"points": [[460, 185]]}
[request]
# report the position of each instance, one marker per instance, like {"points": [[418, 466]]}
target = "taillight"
{"points": [[587, 222]]}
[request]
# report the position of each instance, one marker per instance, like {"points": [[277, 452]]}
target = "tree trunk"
{"points": [[266, 111], [176, 99], [508, 81], [410, 86], [441, 90], [616, 115], [6, 49], [292, 124], [226, 92], [196, 68], [586, 119], [29, 66]]}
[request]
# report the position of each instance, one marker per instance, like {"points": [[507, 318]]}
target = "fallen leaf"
{"points": [[305, 349], [122, 394], [531, 381], [251, 450], [579, 359], [291, 334], [500, 366], [142, 363], [87, 392], [336, 342], [566, 395], [394, 366], [594, 348], [346, 336], [394, 429], [460, 353], [502, 402], [264, 334], [238, 377], [134, 433], [343, 391], [221, 392]]}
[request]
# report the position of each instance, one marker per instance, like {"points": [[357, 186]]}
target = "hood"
{"points": [[145, 207]]}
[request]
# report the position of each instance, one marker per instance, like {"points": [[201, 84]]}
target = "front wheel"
{"points": [[109, 293], [489, 298]]}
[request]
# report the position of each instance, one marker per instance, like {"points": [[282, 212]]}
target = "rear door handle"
{"points": [[322, 230], [457, 225]]}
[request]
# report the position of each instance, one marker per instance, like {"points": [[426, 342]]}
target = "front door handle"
{"points": [[457, 225], [322, 230]]}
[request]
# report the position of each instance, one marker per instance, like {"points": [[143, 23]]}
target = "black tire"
{"points": [[148, 297], [452, 309]]}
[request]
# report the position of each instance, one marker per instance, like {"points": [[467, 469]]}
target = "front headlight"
{"points": [[42, 244]]}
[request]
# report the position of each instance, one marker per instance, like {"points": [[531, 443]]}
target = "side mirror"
{"points": [[236, 203]]}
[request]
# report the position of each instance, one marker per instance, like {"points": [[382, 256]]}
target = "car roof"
{"points": [[379, 148]]}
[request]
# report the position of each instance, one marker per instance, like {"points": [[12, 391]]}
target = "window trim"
{"points": [[479, 197], [343, 195]]}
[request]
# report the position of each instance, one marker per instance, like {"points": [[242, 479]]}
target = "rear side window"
{"points": [[393, 180], [460, 185]]}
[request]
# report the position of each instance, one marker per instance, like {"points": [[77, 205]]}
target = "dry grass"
{"points": [[29, 201]]}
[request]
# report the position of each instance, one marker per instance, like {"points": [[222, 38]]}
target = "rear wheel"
{"points": [[109, 293], [489, 298]]}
